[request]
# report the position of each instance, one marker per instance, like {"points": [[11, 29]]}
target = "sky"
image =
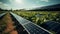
{"points": [[26, 4]]}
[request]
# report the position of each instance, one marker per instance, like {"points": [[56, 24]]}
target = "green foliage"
{"points": [[38, 17]]}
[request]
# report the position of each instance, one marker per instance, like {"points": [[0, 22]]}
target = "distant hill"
{"points": [[48, 8], [4, 10]]}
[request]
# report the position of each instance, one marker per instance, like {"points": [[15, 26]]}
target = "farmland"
{"points": [[39, 17]]}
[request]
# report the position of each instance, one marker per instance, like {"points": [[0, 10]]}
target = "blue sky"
{"points": [[26, 4]]}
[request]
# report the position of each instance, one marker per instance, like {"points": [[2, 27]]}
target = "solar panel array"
{"points": [[54, 26], [33, 29], [29, 26]]}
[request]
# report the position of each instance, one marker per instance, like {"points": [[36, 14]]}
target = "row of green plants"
{"points": [[39, 17]]}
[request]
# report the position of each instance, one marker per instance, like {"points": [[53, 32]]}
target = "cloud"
{"points": [[4, 6], [45, 0], [21, 2], [34, 6]]}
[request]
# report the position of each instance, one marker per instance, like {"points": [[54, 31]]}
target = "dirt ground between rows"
{"points": [[10, 27]]}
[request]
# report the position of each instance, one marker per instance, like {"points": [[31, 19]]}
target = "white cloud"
{"points": [[34, 6], [45, 0], [4, 6], [21, 2]]}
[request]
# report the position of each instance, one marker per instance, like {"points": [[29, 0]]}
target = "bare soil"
{"points": [[10, 27]]}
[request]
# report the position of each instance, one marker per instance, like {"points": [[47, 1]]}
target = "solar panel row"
{"points": [[34, 29], [51, 25], [29, 26]]}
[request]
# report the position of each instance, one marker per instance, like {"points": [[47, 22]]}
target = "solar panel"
{"points": [[51, 25], [29, 26], [33, 29]]}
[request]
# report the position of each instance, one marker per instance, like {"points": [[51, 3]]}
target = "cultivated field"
{"points": [[39, 17]]}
